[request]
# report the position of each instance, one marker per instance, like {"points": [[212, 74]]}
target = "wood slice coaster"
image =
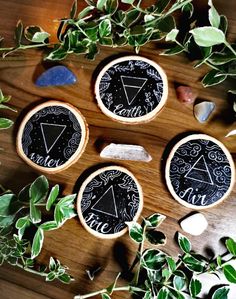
{"points": [[131, 89], [52, 136], [200, 172], [107, 199]]}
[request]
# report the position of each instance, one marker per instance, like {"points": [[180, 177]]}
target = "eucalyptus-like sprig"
{"points": [[5, 123], [110, 23], [23, 214], [164, 277], [211, 45]]}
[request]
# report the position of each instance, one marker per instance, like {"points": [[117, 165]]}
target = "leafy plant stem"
{"points": [[43, 274], [103, 291], [140, 252]]}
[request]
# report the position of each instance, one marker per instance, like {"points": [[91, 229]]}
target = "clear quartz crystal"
{"points": [[125, 152]]}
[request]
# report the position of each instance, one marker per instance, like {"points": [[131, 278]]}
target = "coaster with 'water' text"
{"points": [[108, 198], [200, 172], [131, 89], [52, 136]]}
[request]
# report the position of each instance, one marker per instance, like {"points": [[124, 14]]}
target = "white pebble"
{"points": [[195, 224]]}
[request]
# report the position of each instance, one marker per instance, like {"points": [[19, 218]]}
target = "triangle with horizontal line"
{"points": [[200, 172], [51, 133], [132, 86]]}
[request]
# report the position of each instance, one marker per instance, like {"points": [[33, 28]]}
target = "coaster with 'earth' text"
{"points": [[131, 89]]}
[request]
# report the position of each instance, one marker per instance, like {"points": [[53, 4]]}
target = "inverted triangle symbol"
{"points": [[106, 203], [51, 133], [200, 172], [132, 86]]}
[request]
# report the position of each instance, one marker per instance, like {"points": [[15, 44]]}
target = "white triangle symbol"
{"points": [[132, 86], [200, 172], [106, 203], [51, 133]]}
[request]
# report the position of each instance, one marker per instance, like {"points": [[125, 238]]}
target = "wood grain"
{"points": [[72, 244]]}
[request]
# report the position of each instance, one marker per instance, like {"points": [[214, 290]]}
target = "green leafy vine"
{"points": [[23, 214]]}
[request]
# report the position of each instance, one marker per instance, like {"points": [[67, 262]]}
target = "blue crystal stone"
{"points": [[56, 76]]}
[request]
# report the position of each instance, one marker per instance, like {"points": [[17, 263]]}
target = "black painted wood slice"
{"points": [[200, 171], [107, 199], [52, 136], [131, 89]]}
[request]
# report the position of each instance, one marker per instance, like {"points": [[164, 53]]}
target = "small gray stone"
{"points": [[125, 152], [203, 110]]}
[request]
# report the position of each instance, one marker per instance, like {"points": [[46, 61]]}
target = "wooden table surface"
{"points": [[72, 244]]}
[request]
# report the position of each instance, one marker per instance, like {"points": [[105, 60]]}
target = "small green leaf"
{"points": [[57, 54], [6, 201], [18, 33], [7, 221], [111, 6], [105, 296], [221, 293], [195, 287], [166, 24], [131, 17], [128, 1], [213, 78], [163, 293], [85, 12], [65, 278], [230, 273], [52, 264], [21, 224], [5, 123], [171, 264], [35, 213], [105, 28], [171, 36], [64, 209], [194, 264], [154, 220], [153, 259], [208, 36], [135, 231], [49, 225], [51, 276], [213, 15], [179, 283], [37, 243], [184, 243], [36, 34], [173, 51], [52, 197], [113, 285], [101, 4], [73, 10], [39, 189], [156, 237], [188, 8], [223, 24], [231, 246]]}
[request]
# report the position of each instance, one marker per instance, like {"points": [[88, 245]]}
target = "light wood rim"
{"points": [[74, 158], [168, 163], [135, 120], [80, 196]]}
